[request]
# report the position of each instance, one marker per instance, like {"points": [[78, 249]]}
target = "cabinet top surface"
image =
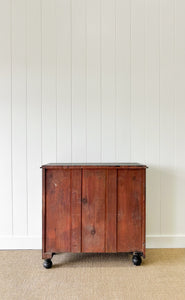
{"points": [[92, 165]]}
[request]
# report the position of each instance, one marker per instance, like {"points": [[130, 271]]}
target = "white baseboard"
{"points": [[34, 242], [20, 242], [165, 241]]}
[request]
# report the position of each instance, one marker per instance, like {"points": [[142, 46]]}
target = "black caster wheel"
{"points": [[47, 263], [136, 259]]}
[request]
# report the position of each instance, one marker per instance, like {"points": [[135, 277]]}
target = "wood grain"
{"points": [[76, 210], [58, 211], [130, 210], [69, 42], [93, 211]]}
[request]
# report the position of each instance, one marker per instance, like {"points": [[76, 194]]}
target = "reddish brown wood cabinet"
{"points": [[93, 208]]}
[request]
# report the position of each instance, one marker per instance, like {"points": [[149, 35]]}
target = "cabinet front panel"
{"points": [[63, 211], [111, 210], [93, 210], [130, 210]]}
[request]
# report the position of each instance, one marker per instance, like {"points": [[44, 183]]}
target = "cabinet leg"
{"points": [[47, 263], [136, 259]]}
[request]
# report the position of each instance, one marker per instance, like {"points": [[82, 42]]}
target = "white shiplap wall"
{"points": [[90, 81]]}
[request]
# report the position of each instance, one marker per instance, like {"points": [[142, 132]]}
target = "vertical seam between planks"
{"points": [[26, 109], [145, 116], [11, 43], [71, 24], [131, 131], [115, 77], [160, 113], [86, 81], [174, 91], [56, 78], [41, 79], [101, 80], [41, 133]]}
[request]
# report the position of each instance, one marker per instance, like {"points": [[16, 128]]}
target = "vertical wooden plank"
{"points": [[34, 116], [111, 210], [93, 210], [179, 75], [63, 80], [138, 80], [76, 210], [58, 209], [78, 80], [5, 119], [123, 82], [168, 202], [93, 114], [130, 210], [49, 108], [19, 114], [152, 69], [108, 79]]}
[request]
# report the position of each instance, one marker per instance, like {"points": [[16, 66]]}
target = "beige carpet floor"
{"points": [[93, 276]]}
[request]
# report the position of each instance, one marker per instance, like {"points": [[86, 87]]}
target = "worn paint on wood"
{"points": [[130, 210], [93, 210]]}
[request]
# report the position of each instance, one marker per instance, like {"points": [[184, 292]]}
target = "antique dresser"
{"points": [[93, 208]]}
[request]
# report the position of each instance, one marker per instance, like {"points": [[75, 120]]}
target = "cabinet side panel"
{"points": [[58, 208], [76, 210], [43, 213], [130, 210], [93, 210], [111, 207]]}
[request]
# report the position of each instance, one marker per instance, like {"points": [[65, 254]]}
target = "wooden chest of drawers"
{"points": [[93, 208]]}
